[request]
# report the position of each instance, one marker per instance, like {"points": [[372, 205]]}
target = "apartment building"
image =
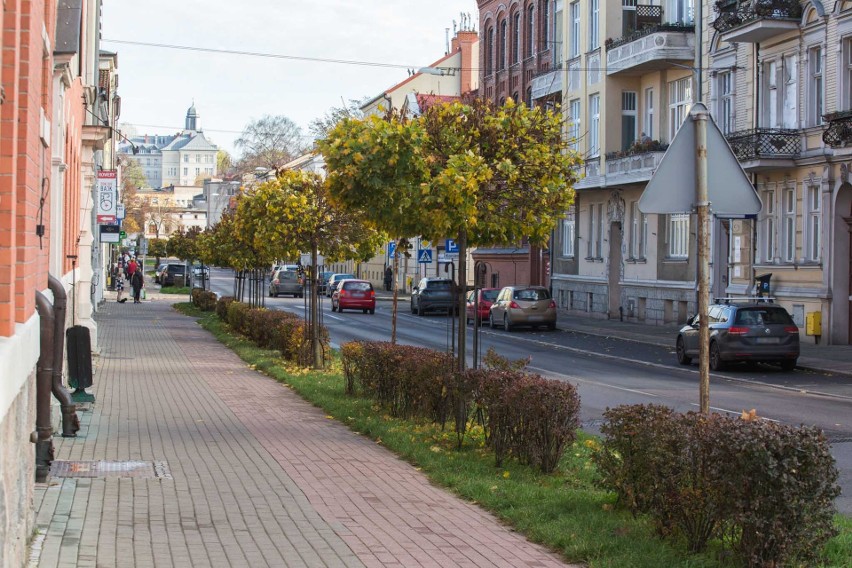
{"points": [[780, 87]]}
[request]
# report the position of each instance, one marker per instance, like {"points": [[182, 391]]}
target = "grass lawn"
{"points": [[564, 511], [177, 290]]}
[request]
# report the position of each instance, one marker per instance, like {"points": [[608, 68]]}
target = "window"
{"points": [[725, 102], [789, 224], [557, 30], [846, 102], [574, 125], [595, 246], [680, 98], [648, 120], [638, 232], [198, 158], [197, 171], [815, 87], [781, 93], [186, 158], [504, 38], [678, 235], [628, 119], [769, 226], [530, 30], [679, 11], [568, 235], [594, 24], [594, 124], [489, 51], [545, 24], [813, 236], [516, 37], [575, 30], [186, 171]]}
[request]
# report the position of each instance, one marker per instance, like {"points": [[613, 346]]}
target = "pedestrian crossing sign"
{"points": [[424, 256]]}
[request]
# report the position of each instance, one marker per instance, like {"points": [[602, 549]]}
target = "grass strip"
{"points": [[176, 290], [564, 511]]}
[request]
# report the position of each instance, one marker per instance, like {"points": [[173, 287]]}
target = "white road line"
{"points": [[587, 381]]}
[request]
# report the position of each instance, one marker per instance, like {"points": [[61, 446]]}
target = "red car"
{"points": [[486, 298], [354, 295]]}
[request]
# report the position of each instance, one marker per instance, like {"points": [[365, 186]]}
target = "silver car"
{"points": [[286, 282], [334, 280], [523, 305]]}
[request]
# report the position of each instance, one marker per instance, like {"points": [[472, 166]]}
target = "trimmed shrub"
{"points": [[237, 315], [222, 307], [204, 299], [352, 358]]}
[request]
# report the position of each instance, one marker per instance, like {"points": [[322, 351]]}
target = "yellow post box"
{"points": [[813, 323]]}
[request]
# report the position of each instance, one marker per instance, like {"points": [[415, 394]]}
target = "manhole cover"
{"points": [[140, 469]]}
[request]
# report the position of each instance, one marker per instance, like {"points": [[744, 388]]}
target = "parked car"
{"points": [[158, 271], [334, 280], [433, 294], [199, 269], [523, 305], [354, 295], [174, 274], [750, 331], [486, 298], [322, 281], [286, 281]]}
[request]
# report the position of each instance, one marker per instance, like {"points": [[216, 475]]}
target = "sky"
{"points": [[157, 85]]}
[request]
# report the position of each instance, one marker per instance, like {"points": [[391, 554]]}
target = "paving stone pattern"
{"points": [[259, 477]]}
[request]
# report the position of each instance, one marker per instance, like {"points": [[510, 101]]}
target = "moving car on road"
{"points": [[286, 281], [743, 331], [523, 305], [354, 295], [486, 298], [433, 294], [174, 274], [334, 280]]}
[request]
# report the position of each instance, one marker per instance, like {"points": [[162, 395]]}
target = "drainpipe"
{"points": [[44, 379], [70, 422]]}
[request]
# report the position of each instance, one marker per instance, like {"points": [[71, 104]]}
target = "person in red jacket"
{"points": [[131, 268]]}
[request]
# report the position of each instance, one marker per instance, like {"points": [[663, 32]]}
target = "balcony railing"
{"points": [[634, 167], [765, 143], [648, 30], [735, 14], [838, 132]]}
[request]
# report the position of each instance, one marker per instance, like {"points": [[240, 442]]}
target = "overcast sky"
{"points": [[158, 85]]}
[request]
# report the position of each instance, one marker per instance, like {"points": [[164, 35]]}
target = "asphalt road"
{"points": [[609, 372]]}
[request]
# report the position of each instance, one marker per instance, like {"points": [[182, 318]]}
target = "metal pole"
{"points": [[702, 209]]}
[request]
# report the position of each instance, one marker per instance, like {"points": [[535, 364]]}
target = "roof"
{"points": [[195, 141], [409, 79]]}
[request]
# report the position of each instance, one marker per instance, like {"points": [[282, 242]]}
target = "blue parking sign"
{"points": [[391, 249], [451, 247]]}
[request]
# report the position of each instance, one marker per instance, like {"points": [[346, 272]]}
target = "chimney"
{"points": [[146, 139], [466, 42]]}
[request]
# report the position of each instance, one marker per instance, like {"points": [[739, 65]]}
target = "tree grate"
{"points": [[101, 468]]}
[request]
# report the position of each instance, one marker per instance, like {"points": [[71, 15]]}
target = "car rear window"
{"points": [[175, 268], [358, 286], [439, 284], [531, 294], [763, 316], [490, 295], [288, 275], [340, 277]]}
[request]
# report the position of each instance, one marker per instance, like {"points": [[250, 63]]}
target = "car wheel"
{"points": [[413, 311], [682, 357], [506, 325], [788, 364], [491, 321], [366, 310], [372, 311], [716, 363]]}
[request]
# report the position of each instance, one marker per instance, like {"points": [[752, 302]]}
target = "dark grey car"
{"points": [[286, 282], [433, 294], [750, 332]]}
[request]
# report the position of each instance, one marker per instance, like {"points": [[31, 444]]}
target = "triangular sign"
{"points": [[672, 187]]}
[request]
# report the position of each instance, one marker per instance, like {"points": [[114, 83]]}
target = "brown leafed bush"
{"points": [[497, 415], [237, 314], [222, 307], [352, 358], [204, 299]]}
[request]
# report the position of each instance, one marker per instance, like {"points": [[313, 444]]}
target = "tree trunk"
{"points": [[316, 345], [460, 300]]}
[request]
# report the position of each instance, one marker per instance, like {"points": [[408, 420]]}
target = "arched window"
{"points": [[516, 37], [545, 24], [504, 38], [530, 31], [489, 51], [515, 97], [529, 100]]}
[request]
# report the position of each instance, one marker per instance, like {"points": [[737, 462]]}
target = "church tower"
{"points": [[193, 119]]}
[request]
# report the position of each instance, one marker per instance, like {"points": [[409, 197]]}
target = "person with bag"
{"points": [[119, 284], [136, 282]]}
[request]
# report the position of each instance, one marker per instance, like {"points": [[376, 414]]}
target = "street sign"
{"points": [[143, 245], [672, 187], [120, 212], [122, 235], [109, 234], [451, 248], [424, 256], [391, 249], [106, 193]]}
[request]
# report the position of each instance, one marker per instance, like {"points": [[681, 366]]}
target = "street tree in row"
{"points": [[298, 215], [467, 170], [132, 179]]}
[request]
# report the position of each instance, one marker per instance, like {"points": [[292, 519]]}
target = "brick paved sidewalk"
{"points": [[258, 477]]}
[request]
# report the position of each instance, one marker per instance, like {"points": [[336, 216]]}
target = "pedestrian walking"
{"points": [[132, 266], [136, 282], [119, 284]]}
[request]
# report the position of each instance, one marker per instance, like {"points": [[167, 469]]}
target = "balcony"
{"points": [[762, 149], [838, 131], [755, 21], [650, 48], [632, 168], [590, 174], [546, 83]]}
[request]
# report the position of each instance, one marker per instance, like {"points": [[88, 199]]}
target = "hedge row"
{"points": [[763, 488], [525, 416], [271, 329], [204, 299]]}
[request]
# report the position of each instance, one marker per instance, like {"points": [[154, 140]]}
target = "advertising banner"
{"points": [[107, 196]]}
